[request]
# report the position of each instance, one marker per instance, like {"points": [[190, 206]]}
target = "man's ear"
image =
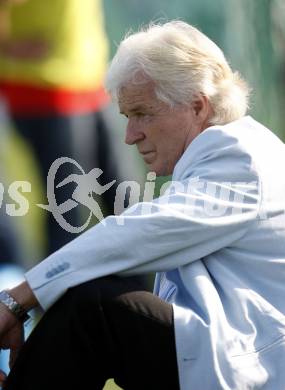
{"points": [[200, 105], [202, 109]]}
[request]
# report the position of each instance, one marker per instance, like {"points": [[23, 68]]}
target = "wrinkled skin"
{"points": [[160, 132]]}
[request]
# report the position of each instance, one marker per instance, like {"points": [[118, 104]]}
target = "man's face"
{"points": [[161, 133]]}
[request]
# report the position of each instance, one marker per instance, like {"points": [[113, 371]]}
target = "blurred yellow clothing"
{"points": [[73, 33]]}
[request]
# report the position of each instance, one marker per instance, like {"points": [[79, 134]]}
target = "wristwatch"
{"points": [[19, 312]]}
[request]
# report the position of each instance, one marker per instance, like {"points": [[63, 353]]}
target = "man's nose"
{"points": [[133, 133]]}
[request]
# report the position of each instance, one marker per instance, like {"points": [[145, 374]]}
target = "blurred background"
{"points": [[53, 56]]}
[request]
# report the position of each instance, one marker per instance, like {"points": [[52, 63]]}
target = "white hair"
{"points": [[183, 63]]}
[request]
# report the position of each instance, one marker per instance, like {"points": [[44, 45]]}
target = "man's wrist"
{"points": [[19, 300], [24, 295], [13, 306]]}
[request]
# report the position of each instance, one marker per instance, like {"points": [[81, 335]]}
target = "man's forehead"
{"points": [[137, 97], [132, 92]]}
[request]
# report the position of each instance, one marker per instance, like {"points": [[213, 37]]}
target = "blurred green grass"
{"points": [[18, 164], [110, 385]]}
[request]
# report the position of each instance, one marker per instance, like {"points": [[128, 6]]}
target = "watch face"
{"points": [[7, 300], [13, 306]]}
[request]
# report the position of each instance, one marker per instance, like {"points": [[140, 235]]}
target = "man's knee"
{"points": [[111, 292]]}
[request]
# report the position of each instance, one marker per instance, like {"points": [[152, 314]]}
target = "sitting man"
{"points": [[215, 238]]}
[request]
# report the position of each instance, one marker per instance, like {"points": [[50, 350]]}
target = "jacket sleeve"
{"points": [[212, 204]]}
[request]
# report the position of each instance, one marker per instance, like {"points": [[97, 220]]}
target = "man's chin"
{"points": [[159, 172]]}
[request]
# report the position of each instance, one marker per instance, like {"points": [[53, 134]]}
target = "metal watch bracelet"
{"points": [[19, 312]]}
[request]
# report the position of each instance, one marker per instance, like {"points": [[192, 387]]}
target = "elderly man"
{"points": [[216, 239]]}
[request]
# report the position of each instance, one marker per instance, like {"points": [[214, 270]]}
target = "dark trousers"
{"points": [[105, 328]]}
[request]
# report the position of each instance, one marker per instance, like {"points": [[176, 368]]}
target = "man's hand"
{"points": [[2, 377], [11, 336], [11, 329]]}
